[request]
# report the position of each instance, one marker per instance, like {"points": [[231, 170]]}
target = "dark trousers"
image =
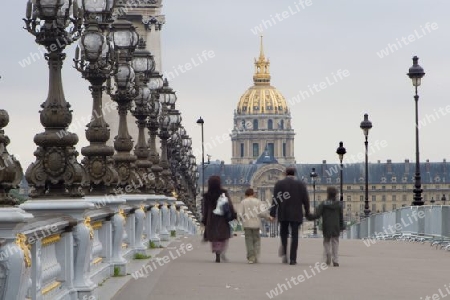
{"points": [[284, 230]]}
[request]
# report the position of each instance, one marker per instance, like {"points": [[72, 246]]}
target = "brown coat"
{"points": [[216, 227]]}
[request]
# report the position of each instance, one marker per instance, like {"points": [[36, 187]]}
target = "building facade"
{"points": [[263, 146]]}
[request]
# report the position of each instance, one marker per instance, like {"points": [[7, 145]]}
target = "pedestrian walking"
{"points": [[289, 196], [217, 228], [331, 212], [250, 212]]}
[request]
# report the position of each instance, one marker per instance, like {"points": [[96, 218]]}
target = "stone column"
{"points": [[154, 237], [83, 236], [15, 256], [165, 217]]}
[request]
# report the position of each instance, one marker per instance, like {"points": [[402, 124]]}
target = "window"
{"points": [[349, 187], [374, 198], [383, 198], [281, 124], [361, 207], [361, 198], [403, 197], [404, 187], [242, 149], [374, 208], [271, 148], [255, 124], [361, 188], [394, 187], [383, 187], [374, 187], [270, 124], [255, 149], [349, 198], [394, 206], [284, 149], [384, 207], [394, 198]]}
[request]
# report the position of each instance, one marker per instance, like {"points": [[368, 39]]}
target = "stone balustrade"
{"points": [[61, 249], [432, 220]]}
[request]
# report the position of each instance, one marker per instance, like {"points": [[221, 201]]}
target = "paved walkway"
{"points": [[387, 270]]}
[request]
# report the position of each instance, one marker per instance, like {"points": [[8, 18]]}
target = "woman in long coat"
{"points": [[217, 228]]}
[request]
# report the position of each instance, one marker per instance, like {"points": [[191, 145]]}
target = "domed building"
{"points": [[263, 146], [262, 121]]}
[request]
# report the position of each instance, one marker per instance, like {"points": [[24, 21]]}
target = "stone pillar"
{"points": [[118, 224], [139, 229], [165, 218], [15, 256], [154, 237], [173, 219], [83, 235]]}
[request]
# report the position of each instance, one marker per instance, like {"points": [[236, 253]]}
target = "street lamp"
{"points": [[200, 121], [341, 151], [416, 73], [55, 173], [365, 126], [313, 176]]}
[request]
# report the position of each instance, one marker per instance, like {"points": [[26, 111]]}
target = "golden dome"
{"points": [[262, 98]]}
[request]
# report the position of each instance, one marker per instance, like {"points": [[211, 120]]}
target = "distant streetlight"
{"points": [[200, 121], [416, 73], [313, 176], [341, 151], [365, 126]]}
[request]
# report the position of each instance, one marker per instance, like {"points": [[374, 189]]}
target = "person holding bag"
{"points": [[217, 229]]}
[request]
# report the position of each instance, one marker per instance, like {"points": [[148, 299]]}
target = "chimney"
{"points": [[389, 166]]}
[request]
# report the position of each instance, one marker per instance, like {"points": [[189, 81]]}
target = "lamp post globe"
{"points": [[416, 73], [366, 125]]}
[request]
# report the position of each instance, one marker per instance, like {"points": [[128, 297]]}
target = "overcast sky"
{"points": [[307, 45]]}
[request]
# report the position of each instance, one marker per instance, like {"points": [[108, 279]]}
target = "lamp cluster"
{"points": [[113, 58]]}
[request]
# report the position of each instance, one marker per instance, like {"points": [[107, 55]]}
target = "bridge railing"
{"points": [[431, 220], [62, 249]]}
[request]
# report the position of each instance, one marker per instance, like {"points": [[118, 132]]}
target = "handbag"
{"points": [[227, 213]]}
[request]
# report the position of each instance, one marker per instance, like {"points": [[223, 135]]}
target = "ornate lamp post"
{"points": [[155, 85], [96, 65], [200, 121], [56, 172], [143, 65], [313, 176], [341, 151], [166, 122], [416, 73], [125, 39], [365, 126]]}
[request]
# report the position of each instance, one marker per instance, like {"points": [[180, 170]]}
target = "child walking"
{"points": [[331, 213], [250, 212]]}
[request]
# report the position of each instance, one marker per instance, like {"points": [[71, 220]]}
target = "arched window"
{"points": [[270, 124], [255, 124], [281, 124]]}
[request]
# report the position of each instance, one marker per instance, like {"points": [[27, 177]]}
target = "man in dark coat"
{"points": [[289, 195], [332, 215]]}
